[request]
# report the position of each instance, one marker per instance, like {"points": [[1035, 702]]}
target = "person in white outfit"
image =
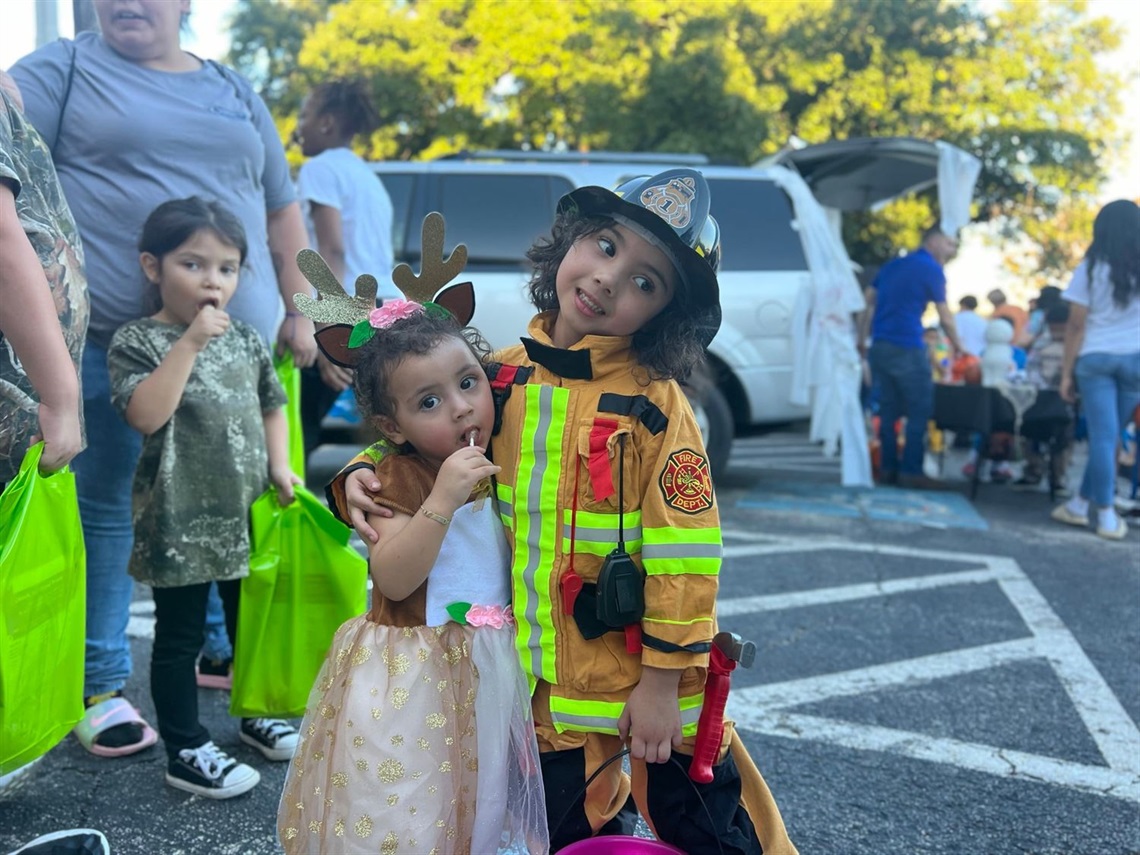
{"points": [[1102, 358], [349, 216], [971, 326]]}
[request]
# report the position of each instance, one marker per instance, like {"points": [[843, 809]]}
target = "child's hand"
{"points": [[208, 324], [360, 485], [651, 720], [284, 481], [457, 478]]}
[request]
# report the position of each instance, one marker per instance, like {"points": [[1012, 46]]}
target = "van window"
{"points": [[497, 216], [399, 187], [756, 231]]}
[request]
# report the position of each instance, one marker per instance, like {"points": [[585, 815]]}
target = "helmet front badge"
{"points": [[672, 201]]}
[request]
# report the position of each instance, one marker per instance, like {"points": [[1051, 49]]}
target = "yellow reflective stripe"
{"points": [[679, 622], [602, 716], [670, 551], [597, 533], [506, 500], [691, 712], [536, 527], [585, 716]]}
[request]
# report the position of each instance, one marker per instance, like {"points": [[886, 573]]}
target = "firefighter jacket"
{"points": [[587, 428]]}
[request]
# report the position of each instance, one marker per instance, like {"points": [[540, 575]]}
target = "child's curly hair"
{"points": [[670, 346], [383, 353]]}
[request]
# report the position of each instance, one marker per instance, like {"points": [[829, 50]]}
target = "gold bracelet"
{"points": [[432, 515]]}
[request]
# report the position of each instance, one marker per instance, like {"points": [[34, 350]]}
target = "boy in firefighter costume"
{"points": [[612, 521]]}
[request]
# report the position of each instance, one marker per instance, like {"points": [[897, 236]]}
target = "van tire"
{"points": [[715, 419]]}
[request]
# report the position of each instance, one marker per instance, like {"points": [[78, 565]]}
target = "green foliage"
{"points": [[734, 79]]}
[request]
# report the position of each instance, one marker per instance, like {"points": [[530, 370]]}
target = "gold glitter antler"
{"points": [[435, 271], [333, 305]]}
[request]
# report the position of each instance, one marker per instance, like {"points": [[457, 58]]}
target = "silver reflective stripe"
{"points": [[601, 535], [589, 723], [691, 716], [651, 551]]}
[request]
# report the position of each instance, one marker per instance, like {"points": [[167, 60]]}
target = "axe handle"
{"points": [[710, 726]]}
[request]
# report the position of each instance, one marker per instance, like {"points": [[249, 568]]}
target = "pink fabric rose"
{"points": [[392, 311], [493, 616]]}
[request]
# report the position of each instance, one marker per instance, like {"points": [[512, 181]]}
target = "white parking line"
{"points": [[769, 708]]}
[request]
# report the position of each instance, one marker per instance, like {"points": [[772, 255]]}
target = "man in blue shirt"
{"points": [[896, 302]]}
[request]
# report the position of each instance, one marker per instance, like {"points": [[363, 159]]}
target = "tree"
{"points": [[1019, 87]]}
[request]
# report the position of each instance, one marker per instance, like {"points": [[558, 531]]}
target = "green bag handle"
{"points": [[290, 376]]}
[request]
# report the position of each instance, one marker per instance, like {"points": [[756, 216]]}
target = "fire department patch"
{"points": [[686, 482], [672, 201]]}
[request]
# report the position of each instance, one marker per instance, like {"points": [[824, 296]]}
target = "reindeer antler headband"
{"points": [[354, 320]]}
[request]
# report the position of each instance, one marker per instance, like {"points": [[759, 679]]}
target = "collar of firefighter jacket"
{"points": [[592, 358]]}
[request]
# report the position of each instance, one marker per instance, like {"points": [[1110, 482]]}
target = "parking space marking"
{"points": [[769, 708]]}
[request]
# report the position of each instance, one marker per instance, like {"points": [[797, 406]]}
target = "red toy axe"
{"points": [[728, 649]]}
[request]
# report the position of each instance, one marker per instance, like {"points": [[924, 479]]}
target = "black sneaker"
{"points": [[1024, 483], [208, 771], [274, 738]]}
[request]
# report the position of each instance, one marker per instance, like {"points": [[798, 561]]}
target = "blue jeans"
{"points": [[1109, 384], [906, 388], [217, 645], [103, 476]]}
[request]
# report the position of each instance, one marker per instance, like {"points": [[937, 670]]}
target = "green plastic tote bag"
{"points": [[304, 582], [43, 586], [290, 377]]}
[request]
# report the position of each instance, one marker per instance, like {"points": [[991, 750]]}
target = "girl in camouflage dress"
{"points": [[202, 390]]}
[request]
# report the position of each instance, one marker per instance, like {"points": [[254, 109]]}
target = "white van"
{"points": [[498, 203]]}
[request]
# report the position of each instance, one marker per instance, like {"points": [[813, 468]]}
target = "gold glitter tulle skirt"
{"points": [[416, 740]]}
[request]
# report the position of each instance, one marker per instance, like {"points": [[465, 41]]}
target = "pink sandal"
{"points": [[104, 715]]}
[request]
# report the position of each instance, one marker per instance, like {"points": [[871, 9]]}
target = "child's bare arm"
{"points": [[408, 546], [157, 397], [277, 446]]}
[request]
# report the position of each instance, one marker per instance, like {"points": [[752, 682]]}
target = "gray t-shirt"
{"points": [[130, 138]]}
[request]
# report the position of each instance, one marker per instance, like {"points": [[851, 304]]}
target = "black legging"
{"points": [[179, 621]]}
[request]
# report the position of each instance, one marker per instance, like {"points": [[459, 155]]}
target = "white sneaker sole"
{"points": [[235, 789], [61, 837], [1118, 533], [275, 754]]}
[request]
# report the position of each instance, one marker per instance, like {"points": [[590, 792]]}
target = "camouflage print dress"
{"points": [[26, 167], [200, 472]]}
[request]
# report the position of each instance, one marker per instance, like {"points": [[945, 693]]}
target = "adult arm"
{"points": [[287, 238], [949, 326], [1074, 338], [286, 230], [29, 321]]}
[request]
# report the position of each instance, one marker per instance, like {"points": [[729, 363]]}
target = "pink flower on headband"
{"points": [[392, 311]]}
